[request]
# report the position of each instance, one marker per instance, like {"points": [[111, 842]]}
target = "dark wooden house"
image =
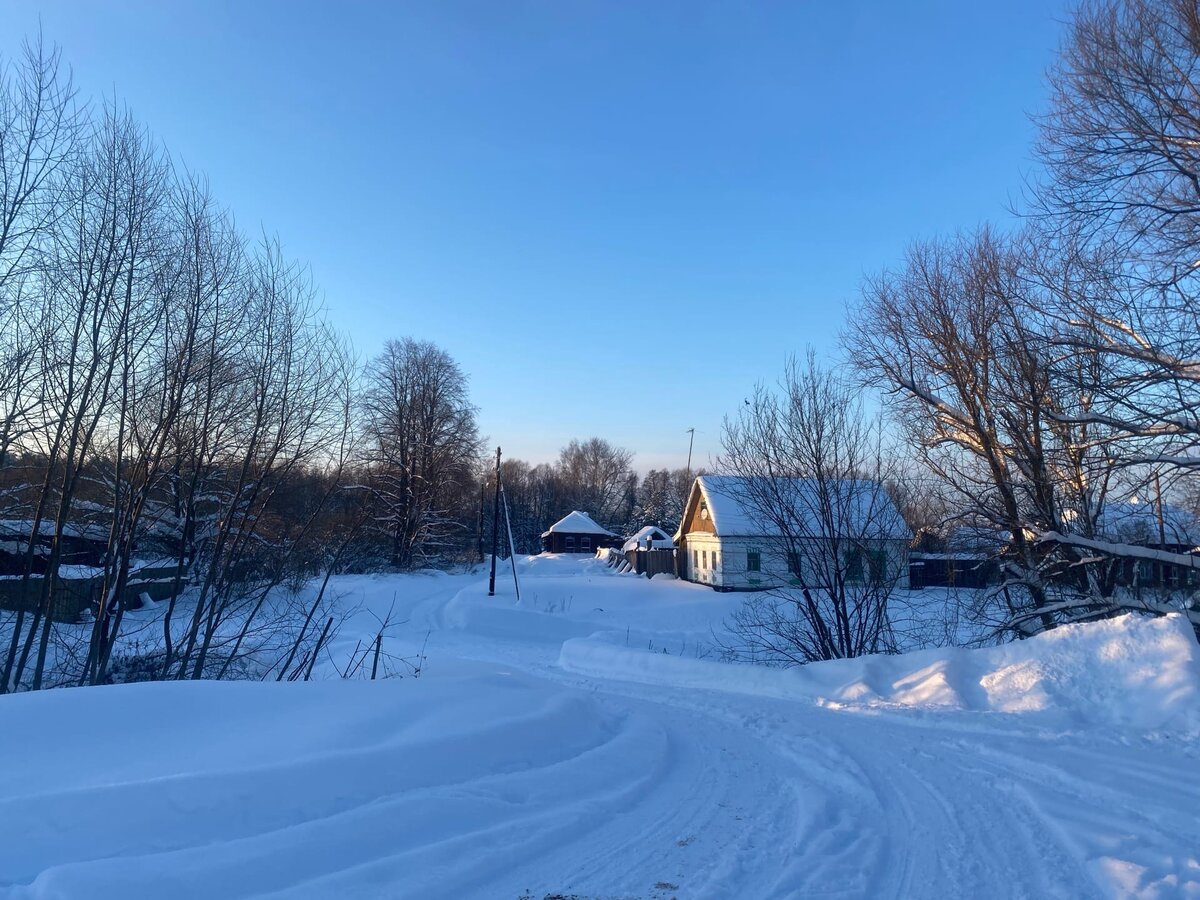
{"points": [[81, 545], [577, 533]]}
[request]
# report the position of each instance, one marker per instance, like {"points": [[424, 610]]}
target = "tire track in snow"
{"points": [[897, 808]]}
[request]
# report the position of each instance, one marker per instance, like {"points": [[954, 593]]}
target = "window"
{"points": [[714, 559], [878, 560], [704, 559], [569, 542], [854, 566], [753, 561], [695, 559], [585, 545], [793, 561]]}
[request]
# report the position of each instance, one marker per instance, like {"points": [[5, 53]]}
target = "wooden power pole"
{"points": [[495, 528]]}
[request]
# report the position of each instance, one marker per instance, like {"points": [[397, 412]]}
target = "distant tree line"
{"points": [[593, 476]]}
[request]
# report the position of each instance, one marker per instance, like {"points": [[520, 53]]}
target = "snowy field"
{"points": [[589, 743]]}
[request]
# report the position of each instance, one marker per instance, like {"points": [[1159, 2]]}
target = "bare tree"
{"points": [[39, 134], [662, 495], [422, 444], [977, 342], [597, 477], [1121, 140], [103, 245], [291, 383], [162, 384], [1121, 147], [811, 467]]}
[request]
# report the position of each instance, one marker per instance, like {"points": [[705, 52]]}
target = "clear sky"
{"points": [[616, 216]]}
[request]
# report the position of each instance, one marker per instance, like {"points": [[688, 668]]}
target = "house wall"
{"points": [[723, 562], [557, 542]]}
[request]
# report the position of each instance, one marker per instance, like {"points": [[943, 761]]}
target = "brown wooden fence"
{"points": [[652, 562]]}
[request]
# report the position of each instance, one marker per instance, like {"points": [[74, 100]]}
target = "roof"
{"points": [[869, 511], [659, 539], [20, 528], [1136, 521], [577, 523]]}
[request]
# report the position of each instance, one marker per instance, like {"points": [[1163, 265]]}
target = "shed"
{"points": [[659, 540], [577, 532], [650, 552], [969, 557]]}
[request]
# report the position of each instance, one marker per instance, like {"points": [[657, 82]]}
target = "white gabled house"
{"points": [[725, 543]]}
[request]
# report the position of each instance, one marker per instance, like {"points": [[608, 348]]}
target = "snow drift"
{"points": [[1131, 671]]}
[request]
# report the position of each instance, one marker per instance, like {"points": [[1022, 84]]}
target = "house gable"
{"points": [[696, 518]]}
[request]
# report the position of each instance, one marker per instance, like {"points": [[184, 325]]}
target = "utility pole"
{"points": [[495, 528], [691, 440], [1162, 529], [482, 509]]}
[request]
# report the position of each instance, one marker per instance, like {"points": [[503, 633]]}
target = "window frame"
{"points": [[855, 565], [795, 563]]}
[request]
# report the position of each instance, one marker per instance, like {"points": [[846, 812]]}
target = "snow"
{"points": [[869, 509], [590, 742], [659, 539], [1149, 679], [1135, 521], [46, 528], [577, 523]]}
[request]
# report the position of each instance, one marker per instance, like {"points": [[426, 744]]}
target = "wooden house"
{"points": [[725, 543], [968, 557], [1153, 526], [577, 532], [80, 545]]}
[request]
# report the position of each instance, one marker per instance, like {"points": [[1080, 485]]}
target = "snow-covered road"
{"points": [[555, 749]]}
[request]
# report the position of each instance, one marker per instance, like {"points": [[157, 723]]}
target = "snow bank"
{"points": [[1132, 672], [181, 789]]}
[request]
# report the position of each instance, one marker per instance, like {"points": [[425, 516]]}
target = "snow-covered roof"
{"points": [[1136, 521], [866, 508], [577, 523], [659, 539], [22, 528], [984, 540]]}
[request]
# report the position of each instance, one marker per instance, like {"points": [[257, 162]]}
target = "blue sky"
{"points": [[616, 216]]}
